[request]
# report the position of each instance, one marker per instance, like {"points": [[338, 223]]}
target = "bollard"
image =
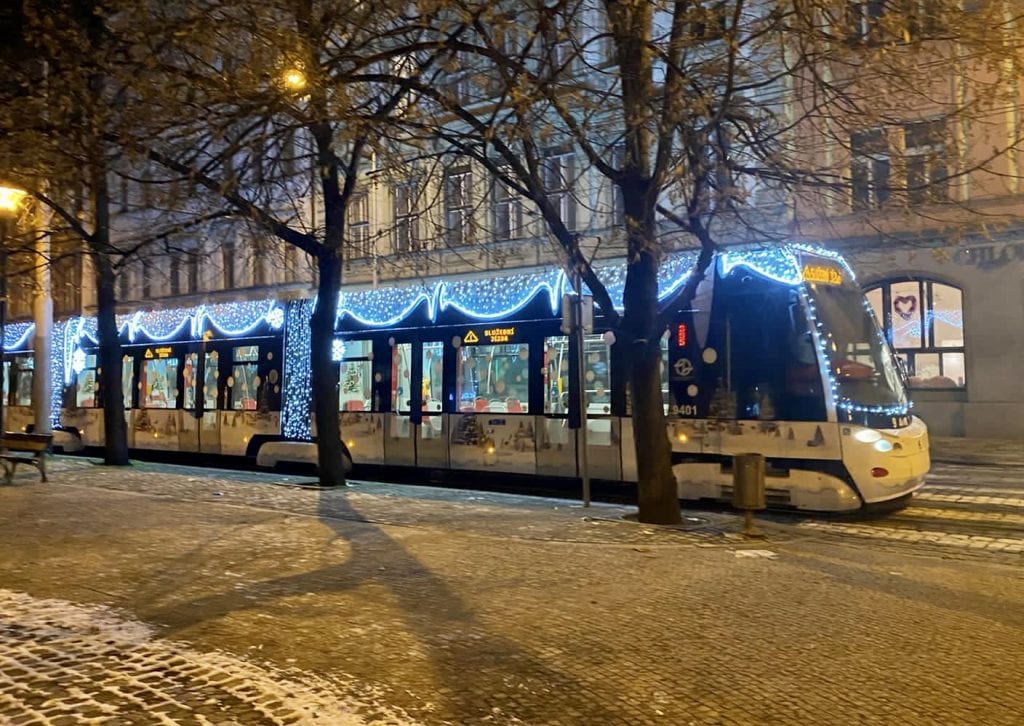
{"points": [[748, 487]]}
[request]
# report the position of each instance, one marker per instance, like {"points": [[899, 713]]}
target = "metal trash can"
{"points": [[748, 481]]}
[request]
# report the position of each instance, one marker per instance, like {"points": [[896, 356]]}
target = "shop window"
{"points": [[355, 384], [85, 382], [493, 378], [244, 382], [924, 322], [159, 383]]}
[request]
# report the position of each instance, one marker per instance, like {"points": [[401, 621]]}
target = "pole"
{"points": [[3, 319], [581, 437], [42, 313]]}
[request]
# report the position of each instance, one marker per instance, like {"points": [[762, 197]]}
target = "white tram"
{"points": [[778, 353]]}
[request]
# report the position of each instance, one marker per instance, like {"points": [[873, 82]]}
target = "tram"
{"points": [[778, 353]]}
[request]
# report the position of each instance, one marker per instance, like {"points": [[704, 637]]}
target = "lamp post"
{"points": [[10, 204]]}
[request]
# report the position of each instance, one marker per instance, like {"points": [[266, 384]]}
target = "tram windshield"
{"points": [[862, 364]]}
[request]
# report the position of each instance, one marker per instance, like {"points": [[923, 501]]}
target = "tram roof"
{"points": [[482, 297]]}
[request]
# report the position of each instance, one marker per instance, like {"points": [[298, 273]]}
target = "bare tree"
{"points": [[274, 121], [696, 112], [65, 105]]}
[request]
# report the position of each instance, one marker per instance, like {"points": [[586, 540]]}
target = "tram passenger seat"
{"points": [[513, 405], [354, 405], [481, 405]]}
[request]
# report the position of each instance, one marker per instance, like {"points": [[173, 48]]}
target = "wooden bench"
{"points": [[16, 448]]}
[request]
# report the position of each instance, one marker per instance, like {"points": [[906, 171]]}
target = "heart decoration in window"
{"points": [[905, 306]]}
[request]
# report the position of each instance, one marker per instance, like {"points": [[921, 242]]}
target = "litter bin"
{"points": [[748, 481], [748, 488]]}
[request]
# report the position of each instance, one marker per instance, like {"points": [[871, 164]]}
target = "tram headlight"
{"points": [[869, 436], [883, 445]]}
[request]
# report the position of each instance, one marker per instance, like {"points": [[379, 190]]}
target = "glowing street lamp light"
{"points": [[10, 200], [294, 79]]}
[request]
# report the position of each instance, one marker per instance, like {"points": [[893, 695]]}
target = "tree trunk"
{"points": [[115, 430], [657, 493], [325, 381]]}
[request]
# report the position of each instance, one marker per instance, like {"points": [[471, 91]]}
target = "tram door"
{"points": [[207, 384], [416, 434]]}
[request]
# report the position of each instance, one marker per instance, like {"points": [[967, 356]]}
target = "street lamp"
{"points": [[10, 204], [294, 79]]}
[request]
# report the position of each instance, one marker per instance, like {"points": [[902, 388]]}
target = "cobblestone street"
{"points": [[173, 595]]}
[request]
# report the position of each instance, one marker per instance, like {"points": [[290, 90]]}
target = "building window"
{"points": [[562, 39], [228, 257], [359, 225], [193, 272], [458, 206], [508, 212], [175, 280], [877, 21], [924, 322], [870, 169], [406, 223], [457, 79], [924, 146], [618, 210], [559, 172]]}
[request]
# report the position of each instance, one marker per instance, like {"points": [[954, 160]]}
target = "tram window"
{"points": [[127, 371], [211, 380], [355, 375], [556, 375], [247, 354], [188, 377], [245, 380], [23, 371], [85, 383], [493, 378], [7, 377], [596, 375], [401, 377], [433, 375], [159, 381]]}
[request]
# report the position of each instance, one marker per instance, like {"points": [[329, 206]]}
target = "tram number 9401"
{"points": [[687, 409]]}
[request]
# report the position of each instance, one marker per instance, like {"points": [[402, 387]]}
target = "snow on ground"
{"points": [[66, 663]]}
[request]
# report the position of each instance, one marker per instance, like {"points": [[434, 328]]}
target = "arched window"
{"points": [[924, 322]]}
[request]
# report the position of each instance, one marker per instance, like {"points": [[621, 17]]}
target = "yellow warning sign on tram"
{"points": [[823, 273], [471, 337]]}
